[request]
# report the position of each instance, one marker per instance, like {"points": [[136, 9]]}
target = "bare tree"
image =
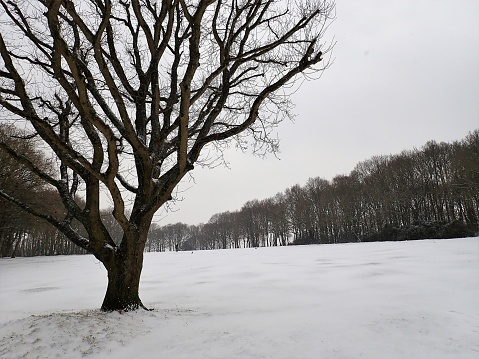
{"points": [[127, 94]]}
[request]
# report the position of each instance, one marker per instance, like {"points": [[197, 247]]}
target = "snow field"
{"points": [[416, 299]]}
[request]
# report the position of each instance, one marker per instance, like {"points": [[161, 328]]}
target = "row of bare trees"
{"points": [[21, 233], [24, 235], [253, 226], [431, 192]]}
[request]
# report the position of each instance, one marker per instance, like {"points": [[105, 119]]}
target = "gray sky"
{"points": [[405, 72]]}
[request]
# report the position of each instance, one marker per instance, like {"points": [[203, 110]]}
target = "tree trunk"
{"points": [[122, 293], [13, 242], [15, 248]]}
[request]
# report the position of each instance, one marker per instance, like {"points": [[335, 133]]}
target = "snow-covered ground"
{"points": [[417, 299]]}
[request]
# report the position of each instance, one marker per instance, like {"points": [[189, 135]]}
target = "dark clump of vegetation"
{"points": [[425, 230]]}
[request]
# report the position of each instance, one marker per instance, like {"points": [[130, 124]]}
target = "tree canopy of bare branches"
{"points": [[127, 94]]}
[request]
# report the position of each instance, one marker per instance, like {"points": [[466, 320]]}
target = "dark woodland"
{"points": [[432, 192]]}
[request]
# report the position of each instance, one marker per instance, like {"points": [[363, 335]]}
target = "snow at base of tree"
{"points": [[416, 299]]}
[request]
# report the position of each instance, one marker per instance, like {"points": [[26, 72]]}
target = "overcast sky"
{"points": [[404, 72]]}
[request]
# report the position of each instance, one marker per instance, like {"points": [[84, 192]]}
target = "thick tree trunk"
{"points": [[122, 293]]}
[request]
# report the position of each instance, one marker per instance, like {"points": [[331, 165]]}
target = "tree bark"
{"points": [[122, 293]]}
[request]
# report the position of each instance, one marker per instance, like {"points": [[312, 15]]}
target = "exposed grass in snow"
{"points": [[415, 299]]}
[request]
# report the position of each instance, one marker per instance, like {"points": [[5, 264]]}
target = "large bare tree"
{"points": [[127, 94]]}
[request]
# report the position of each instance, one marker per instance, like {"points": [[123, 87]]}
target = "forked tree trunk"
{"points": [[122, 293]]}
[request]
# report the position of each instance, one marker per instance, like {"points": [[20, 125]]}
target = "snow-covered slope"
{"points": [[417, 299]]}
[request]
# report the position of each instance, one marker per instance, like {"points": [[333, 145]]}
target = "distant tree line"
{"points": [[22, 234], [432, 192]]}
